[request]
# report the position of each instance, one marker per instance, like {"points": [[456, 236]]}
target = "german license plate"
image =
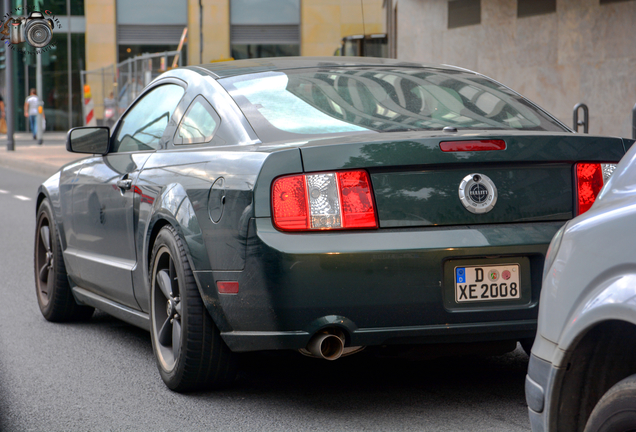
{"points": [[487, 283]]}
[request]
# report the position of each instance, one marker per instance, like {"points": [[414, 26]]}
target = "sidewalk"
{"points": [[36, 159]]}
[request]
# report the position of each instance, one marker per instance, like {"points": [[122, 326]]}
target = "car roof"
{"points": [[241, 67]]}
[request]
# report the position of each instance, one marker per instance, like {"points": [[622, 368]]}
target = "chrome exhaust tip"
{"points": [[327, 346]]}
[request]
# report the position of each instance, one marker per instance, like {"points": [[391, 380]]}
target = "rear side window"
{"points": [[143, 126], [199, 123]]}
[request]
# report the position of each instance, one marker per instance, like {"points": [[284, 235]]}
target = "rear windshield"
{"points": [[361, 99]]}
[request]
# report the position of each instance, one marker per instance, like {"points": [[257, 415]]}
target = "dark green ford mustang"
{"points": [[314, 204]]}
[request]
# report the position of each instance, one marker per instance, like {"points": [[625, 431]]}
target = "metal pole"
{"points": [[8, 97], [103, 97], [82, 83], [134, 94], [200, 32], [634, 122], [38, 85], [69, 65], [129, 85]]}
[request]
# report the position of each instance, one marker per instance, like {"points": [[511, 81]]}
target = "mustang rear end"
{"points": [[317, 204], [444, 244]]}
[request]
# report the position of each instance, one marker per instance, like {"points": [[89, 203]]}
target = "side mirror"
{"points": [[93, 140]]}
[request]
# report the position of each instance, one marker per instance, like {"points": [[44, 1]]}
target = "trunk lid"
{"points": [[415, 183]]}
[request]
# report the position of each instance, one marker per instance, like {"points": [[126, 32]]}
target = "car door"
{"points": [[101, 253]]}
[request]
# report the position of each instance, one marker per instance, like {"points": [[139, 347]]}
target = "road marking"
{"points": [[22, 198], [3, 191]]}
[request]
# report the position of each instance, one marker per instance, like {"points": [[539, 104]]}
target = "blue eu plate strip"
{"points": [[460, 273]]}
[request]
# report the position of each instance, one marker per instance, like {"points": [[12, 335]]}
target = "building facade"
{"points": [[106, 32], [558, 53], [217, 30], [60, 65]]}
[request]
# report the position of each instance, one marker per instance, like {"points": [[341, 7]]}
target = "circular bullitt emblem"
{"points": [[477, 193]]}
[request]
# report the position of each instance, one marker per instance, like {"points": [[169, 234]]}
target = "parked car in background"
{"points": [[313, 204], [582, 371]]}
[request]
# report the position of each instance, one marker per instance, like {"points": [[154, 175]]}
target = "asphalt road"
{"points": [[101, 375]]}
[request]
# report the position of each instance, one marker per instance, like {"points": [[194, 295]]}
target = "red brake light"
{"points": [[289, 202], [475, 145], [323, 201], [589, 182], [357, 203]]}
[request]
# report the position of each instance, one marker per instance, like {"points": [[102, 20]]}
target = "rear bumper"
{"points": [[450, 333], [381, 286]]}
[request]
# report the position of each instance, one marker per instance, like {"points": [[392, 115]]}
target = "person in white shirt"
{"points": [[31, 111]]}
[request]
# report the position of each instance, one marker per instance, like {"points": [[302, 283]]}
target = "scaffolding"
{"points": [[114, 88]]}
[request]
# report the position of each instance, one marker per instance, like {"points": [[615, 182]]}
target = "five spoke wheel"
{"points": [[167, 308], [189, 349], [44, 260]]}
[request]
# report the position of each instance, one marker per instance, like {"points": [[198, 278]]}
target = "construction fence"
{"points": [[110, 90]]}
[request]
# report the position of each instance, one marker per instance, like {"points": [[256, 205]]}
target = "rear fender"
{"points": [[173, 207]]}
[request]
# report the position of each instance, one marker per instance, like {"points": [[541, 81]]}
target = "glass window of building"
{"points": [[526, 8], [463, 13], [264, 29], [59, 113], [144, 27], [58, 7]]}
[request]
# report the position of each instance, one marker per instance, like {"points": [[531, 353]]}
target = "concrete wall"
{"points": [[101, 46], [216, 31], [585, 52], [325, 22]]}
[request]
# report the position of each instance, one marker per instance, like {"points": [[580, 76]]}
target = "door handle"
{"points": [[124, 184]]}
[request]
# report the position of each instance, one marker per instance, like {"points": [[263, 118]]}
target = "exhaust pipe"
{"points": [[327, 346]]}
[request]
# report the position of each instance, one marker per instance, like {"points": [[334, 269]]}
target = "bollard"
{"points": [[586, 118]]}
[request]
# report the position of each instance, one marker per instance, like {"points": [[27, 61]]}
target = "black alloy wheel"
{"points": [[190, 352], [54, 295]]}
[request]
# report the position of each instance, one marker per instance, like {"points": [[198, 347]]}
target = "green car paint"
{"points": [[390, 285]]}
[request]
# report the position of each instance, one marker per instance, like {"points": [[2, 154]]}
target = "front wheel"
{"points": [[187, 344], [616, 411]]}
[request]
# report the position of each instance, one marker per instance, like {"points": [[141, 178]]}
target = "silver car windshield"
{"points": [[348, 99]]}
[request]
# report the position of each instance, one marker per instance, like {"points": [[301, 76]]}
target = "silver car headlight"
{"points": [[553, 250]]}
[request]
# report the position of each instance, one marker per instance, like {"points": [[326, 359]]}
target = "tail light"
{"points": [[479, 145], [590, 179], [323, 201]]}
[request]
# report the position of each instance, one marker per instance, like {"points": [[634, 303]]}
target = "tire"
{"points": [[187, 344], [52, 288], [616, 411]]}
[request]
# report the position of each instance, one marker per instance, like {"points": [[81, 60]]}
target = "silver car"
{"points": [[582, 371]]}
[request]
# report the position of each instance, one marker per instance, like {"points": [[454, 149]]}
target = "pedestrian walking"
{"points": [[31, 111]]}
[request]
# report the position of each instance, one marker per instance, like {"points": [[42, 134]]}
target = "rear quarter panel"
{"points": [[176, 186]]}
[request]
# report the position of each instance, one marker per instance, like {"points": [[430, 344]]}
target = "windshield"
{"points": [[362, 99]]}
